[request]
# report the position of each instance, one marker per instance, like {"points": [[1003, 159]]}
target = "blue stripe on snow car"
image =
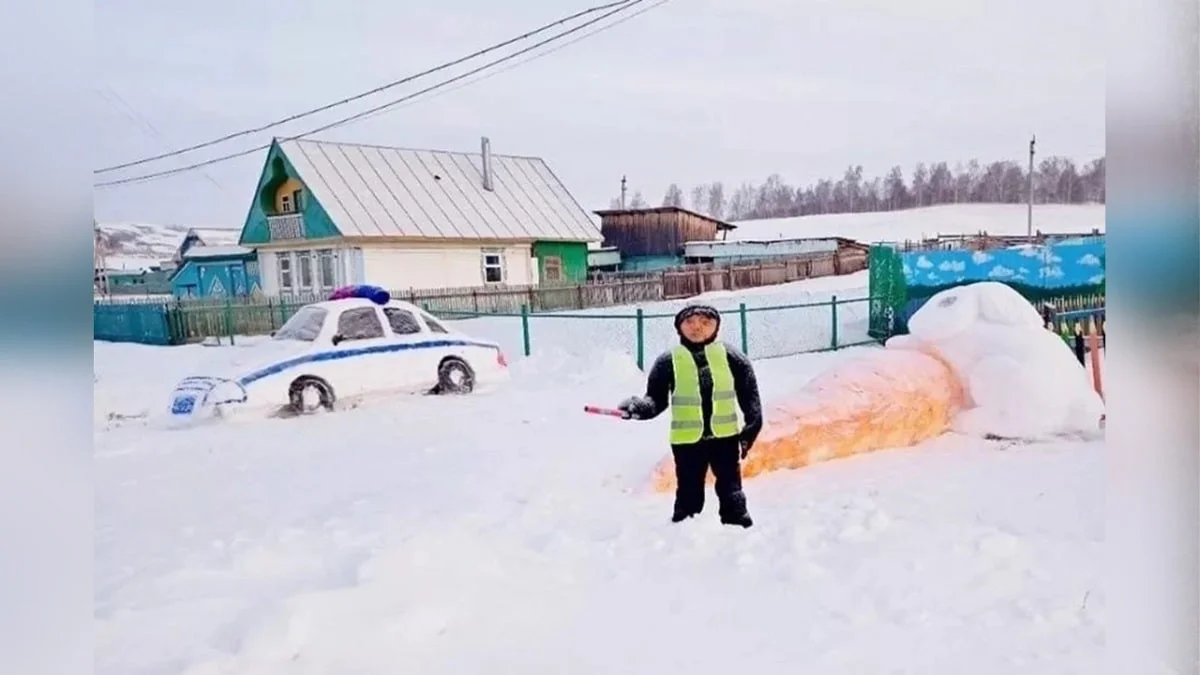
{"points": [[361, 351]]}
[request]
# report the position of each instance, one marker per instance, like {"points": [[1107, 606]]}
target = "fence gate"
{"points": [[145, 324]]}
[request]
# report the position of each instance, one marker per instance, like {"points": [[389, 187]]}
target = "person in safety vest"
{"points": [[704, 381]]}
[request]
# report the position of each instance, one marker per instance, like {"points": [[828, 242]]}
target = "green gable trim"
{"points": [[277, 169], [573, 255]]}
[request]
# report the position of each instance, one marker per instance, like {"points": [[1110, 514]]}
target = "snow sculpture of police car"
{"points": [[360, 342]]}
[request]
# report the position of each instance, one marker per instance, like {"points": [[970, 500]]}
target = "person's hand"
{"points": [[745, 444], [632, 407]]}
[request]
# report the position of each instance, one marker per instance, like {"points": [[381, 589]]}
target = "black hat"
{"points": [[697, 309]]}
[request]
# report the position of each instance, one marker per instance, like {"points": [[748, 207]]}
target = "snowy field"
{"points": [[916, 224], [509, 532], [770, 331]]}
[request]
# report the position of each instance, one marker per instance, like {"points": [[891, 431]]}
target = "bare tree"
{"points": [[716, 200], [920, 185], [673, 197], [896, 190], [637, 201], [699, 200], [1057, 180]]}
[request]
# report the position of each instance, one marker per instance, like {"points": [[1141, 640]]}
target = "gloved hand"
{"points": [[634, 407], [746, 444]]}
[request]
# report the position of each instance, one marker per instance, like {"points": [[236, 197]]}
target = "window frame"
{"points": [[416, 323], [558, 266], [320, 312], [499, 265], [303, 258], [433, 325], [322, 256], [290, 287], [373, 311]]}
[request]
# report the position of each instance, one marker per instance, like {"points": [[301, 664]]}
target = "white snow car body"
{"points": [[344, 349]]}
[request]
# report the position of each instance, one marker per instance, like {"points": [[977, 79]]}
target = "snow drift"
{"points": [[977, 361]]}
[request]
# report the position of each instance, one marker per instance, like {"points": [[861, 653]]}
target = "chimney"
{"points": [[486, 151]]}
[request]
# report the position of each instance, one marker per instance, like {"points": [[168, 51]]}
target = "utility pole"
{"points": [[1029, 217], [622, 193]]}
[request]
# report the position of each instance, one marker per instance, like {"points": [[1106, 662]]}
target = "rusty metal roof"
{"points": [[375, 191]]}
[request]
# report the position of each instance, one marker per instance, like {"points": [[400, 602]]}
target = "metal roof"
{"points": [[374, 191], [197, 252]]}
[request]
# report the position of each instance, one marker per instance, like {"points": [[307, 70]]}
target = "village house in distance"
{"points": [[328, 214]]}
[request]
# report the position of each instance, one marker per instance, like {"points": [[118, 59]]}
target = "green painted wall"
{"points": [[276, 170], [572, 253]]}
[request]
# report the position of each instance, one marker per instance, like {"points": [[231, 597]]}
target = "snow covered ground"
{"points": [[915, 224], [509, 532]]}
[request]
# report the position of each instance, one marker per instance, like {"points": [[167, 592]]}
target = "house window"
{"points": [[552, 268], [297, 202], [286, 278], [285, 204], [327, 268], [305, 263], [493, 266]]}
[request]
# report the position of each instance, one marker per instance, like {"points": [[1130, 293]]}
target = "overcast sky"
{"points": [[692, 91]]}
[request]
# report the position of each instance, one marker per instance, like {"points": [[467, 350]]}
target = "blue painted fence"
{"points": [[143, 323]]}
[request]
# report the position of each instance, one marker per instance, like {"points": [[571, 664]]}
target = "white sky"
{"points": [[693, 91]]}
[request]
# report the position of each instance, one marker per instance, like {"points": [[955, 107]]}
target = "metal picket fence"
{"points": [[759, 331]]}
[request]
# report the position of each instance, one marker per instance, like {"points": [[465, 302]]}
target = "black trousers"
{"points": [[692, 462]]}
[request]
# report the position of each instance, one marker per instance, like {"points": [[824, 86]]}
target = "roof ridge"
{"points": [[377, 146]]}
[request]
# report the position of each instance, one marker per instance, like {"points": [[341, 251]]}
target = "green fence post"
{"points": [[525, 326], [229, 320], [745, 332], [833, 306], [641, 339]]}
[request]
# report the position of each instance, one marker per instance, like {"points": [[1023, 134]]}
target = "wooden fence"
{"points": [[196, 319]]}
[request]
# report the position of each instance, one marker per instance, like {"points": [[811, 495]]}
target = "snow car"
{"points": [[343, 349]]}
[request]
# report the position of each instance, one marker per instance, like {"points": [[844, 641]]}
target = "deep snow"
{"points": [[509, 532]]}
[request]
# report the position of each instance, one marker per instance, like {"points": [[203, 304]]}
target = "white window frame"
{"points": [[303, 257], [484, 266], [284, 259], [321, 256]]}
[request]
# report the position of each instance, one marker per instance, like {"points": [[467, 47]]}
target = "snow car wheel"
{"points": [[455, 377], [309, 394]]}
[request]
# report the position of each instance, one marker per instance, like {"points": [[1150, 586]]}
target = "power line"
{"points": [[108, 93], [520, 62], [390, 104], [376, 90]]}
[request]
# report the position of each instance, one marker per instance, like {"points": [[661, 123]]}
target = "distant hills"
{"points": [[140, 245]]}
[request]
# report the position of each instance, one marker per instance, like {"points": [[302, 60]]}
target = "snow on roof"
{"points": [[373, 191], [930, 221], [216, 251]]}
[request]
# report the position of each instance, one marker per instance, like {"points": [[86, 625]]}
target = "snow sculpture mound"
{"points": [[977, 361]]}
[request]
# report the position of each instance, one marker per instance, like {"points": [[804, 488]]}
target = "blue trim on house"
{"points": [[350, 353]]}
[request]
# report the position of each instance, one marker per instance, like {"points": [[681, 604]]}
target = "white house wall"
{"points": [[268, 272], [398, 268]]}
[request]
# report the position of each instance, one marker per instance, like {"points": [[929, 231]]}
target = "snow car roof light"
{"points": [[375, 294]]}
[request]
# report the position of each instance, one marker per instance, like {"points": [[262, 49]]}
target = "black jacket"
{"points": [[660, 382]]}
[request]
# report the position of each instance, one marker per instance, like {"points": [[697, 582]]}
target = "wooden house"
{"points": [[654, 238], [327, 214]]}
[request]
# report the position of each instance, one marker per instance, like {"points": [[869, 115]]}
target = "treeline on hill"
{"points": [[1056, 180]]}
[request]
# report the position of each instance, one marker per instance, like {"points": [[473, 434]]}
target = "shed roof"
{"points": [[721, 225], [376, 191]]}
